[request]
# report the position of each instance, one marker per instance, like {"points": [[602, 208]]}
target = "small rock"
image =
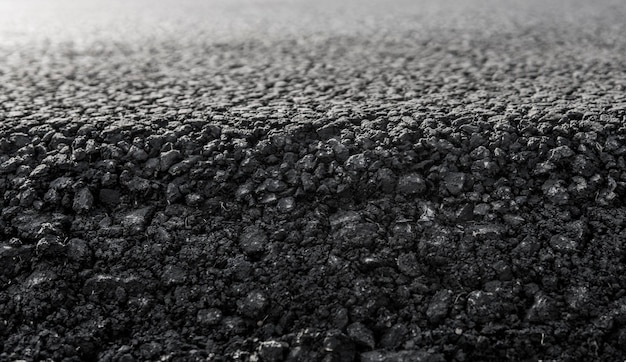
{"points": [[83, 201], [234, 324], [138, 185], [253, 305], [193, 199], [339, 345], [439, 306], [583, 166], [387, 180], [272, 351], [253, 242], [50, 246], [286, 205], [578, 297], [40, 171], [358, 162], [486, 231], [465, 213], [172, 193], [361, 334], [480, 305], [555, 191], [173, 275], [407, 264], [454, 182], [209, 317], [168, 159], [563, 243], [543, 309], [137, 154], [411, 184], [513, 220], [559, 153], [273, 185], [543, 168], [137, 219], [78, 250], [394, 336], [341, 151]]}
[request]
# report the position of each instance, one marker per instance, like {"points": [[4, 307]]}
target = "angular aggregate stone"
{"points": [[253, 304], [253, 241], [361, 334], [138, 219], [542, 309], [272, 350], [481, 305], [454, 182], [439, 306], [209, 317], [83, 200], [168, 159], [411, 184]]}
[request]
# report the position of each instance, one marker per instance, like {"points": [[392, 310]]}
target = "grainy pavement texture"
{"points": [[258, 180]]}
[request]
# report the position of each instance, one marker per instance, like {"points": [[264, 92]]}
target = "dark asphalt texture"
{"points": [[259, 180]]}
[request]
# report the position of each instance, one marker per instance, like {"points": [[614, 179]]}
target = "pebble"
{"points": [[253, 241], [543, 309], [253, 305], [480, 305], [286, 205], [394, 337], [173, 275], [168, 159], [411, 184], [83, 201], [361, 335], [454, 182], [78, 250], [272, 350], [563, 243], [408, 264], [439, 306], [559, 153], [209, 317], [138, 219]]}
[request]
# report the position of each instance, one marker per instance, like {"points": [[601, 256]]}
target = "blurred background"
{"points": [[27, 21]]}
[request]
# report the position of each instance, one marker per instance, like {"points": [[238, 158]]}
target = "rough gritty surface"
{"points": [[272, 180]]}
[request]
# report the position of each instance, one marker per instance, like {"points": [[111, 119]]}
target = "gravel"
{"points": [[416, 181]]}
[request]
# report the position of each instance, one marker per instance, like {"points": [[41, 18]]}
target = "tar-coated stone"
{"points": [[361, 334], [83, 201], [168, 159], [253, 241], [272, 351], [411, 184], [253, 304], [439, 306], [454, 182]]}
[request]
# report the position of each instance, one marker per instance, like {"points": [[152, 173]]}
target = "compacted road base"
{"points": [[424, 184]]}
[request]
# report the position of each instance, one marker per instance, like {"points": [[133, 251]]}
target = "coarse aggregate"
{"points": [[375, 181]]}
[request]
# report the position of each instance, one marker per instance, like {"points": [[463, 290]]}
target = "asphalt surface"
{"points": [[340, 181]]}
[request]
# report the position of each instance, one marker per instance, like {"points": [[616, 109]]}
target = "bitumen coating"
{"points": [[273, 180]]}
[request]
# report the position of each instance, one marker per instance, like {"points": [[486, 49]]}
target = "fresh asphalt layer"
{"points": [[260, 180]]}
